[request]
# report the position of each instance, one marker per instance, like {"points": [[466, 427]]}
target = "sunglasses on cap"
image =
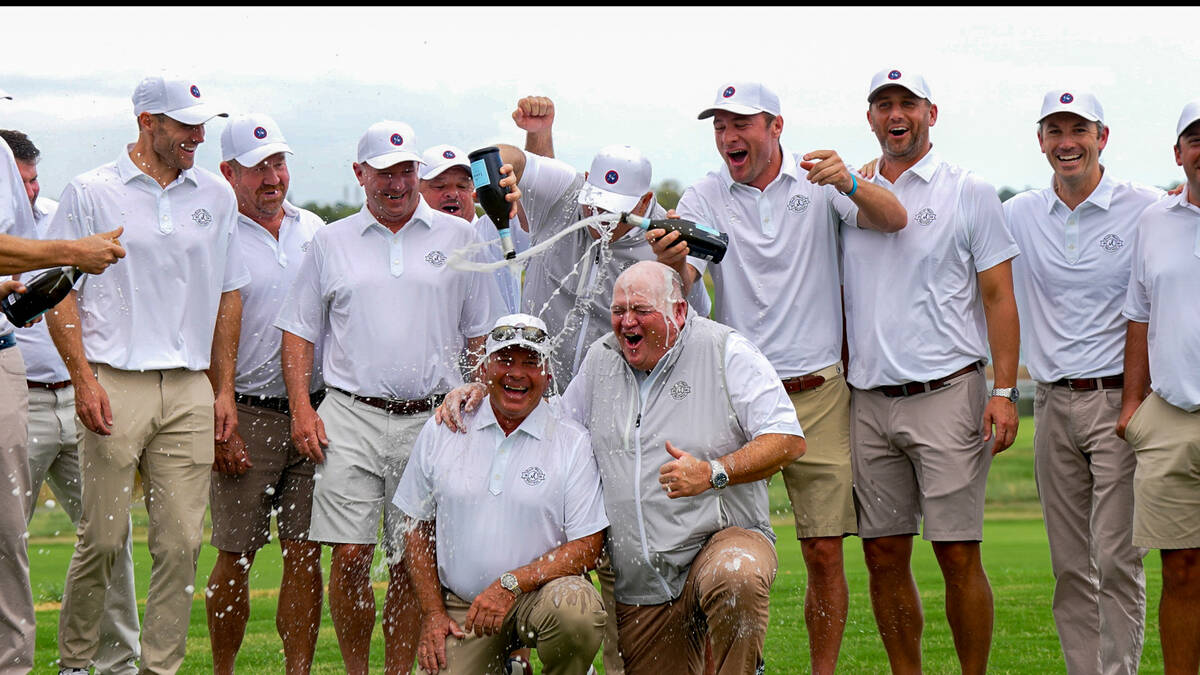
{"points": [[531, 334]]}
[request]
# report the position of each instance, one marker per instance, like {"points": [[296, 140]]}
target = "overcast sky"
{"points": [[623, 75]]}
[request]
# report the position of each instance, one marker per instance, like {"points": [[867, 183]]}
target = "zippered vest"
{"points": [[652, 538]]}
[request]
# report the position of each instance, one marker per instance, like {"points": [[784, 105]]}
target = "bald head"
{"points": [[648, 312]]}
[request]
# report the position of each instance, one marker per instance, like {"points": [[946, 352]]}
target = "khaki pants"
{"points": [[726, 596], [163, 429], [563, 620], [16, 598], [54, 458], [613, 664], [1084, 476]]}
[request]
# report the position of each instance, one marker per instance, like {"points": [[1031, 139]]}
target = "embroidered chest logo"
{"points": [[1111, 243], [533, 476], [680, 390], [305, 246], [435, 258], [202, 217], [925, 216], [798, 203]]}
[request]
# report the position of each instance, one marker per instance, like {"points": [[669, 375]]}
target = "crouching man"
{"points": [[507, 518]]}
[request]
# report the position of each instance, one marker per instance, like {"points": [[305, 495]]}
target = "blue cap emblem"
{"points": [[611, 177], [1066, 98], [728, 92], [449, 154], [260, 133], [894, 75], [397, 139], [195, 91]]}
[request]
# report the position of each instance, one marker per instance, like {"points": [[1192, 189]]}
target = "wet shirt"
{"points": [[274, 264], [508, 279], [913, 307], [16, 216], [42, 361], [1072, 274], [394, 315], [157, 307], [779, 283], [1164, 284], [500, 502]]}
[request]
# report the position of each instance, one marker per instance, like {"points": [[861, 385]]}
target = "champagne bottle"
{"points": [[703, 241], [41, 295], [485, 171]]}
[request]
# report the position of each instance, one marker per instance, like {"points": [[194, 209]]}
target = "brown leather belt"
{"points": [[793, 385], [1092, 383], [48, 385], [398, 406], [278, 404], [911, 388]]}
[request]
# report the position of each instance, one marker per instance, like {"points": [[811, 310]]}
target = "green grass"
{"points": [[1015, 555]]}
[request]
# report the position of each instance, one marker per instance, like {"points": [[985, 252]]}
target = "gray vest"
{"points": [[653, 539]]}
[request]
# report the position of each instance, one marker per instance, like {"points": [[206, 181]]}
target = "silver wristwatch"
{"points": [[719, 478], [1009, 393], [508, 581]]}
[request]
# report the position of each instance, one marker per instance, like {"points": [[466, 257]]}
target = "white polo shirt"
{"points": [[1164, 291], [760, 401], [274, 264], [508, 279], [1071, 278], [157, 307], [16, 215], [42, 362], [779, 281], [499, 502], [913, 306], [394, 316]]}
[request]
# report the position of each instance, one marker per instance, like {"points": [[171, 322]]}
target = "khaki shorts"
{"points": [[368, 450], [280, 481], [1166, 484], [820, 484], [921, 456]]}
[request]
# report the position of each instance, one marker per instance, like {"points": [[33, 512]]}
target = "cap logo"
{"points": [[260, 133], [894, 75], [449, 154], [729, 91], [195, 91], [397, 139], [1066, 98], [611, 177]]}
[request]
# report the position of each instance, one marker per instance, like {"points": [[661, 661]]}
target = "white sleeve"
{"points": [[576, 404], [692, 207], [16, 213], [1137, 295], [584, 511], [759, 399], [415, 494], [304, 312], [988, 237], [546, 187]]}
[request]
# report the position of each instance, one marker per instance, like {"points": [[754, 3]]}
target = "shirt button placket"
{"points": [[164, 213], [1072, 236]]}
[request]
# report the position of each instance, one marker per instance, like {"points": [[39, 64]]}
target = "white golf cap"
{"points": [[1190, 114], [178, 99], [619, 176], [5, 94], [1081, 103], [441, 157], [910, 80], [249, 139], [388, 143], [536, 339], [743, 98]]}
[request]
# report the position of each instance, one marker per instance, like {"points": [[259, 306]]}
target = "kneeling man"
{"points": [[508, 518]]}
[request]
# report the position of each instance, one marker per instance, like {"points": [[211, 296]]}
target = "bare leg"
{"points": [[227, 602], [968, 602], [895, 601], [826, 601], [1178, 621], [299, 614], [352, 604], [401, 623]]}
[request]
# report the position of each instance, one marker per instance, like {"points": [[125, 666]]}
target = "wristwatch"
{"points": [[1009, 393], [719, 478], [508, 581]]}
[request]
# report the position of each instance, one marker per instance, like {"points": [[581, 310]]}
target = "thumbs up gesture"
{"points": [[684, 475]]}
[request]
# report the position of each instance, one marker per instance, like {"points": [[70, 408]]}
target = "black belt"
{"points": [[397, 406], [1092, 383], [278, 404], [910, 388]]}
